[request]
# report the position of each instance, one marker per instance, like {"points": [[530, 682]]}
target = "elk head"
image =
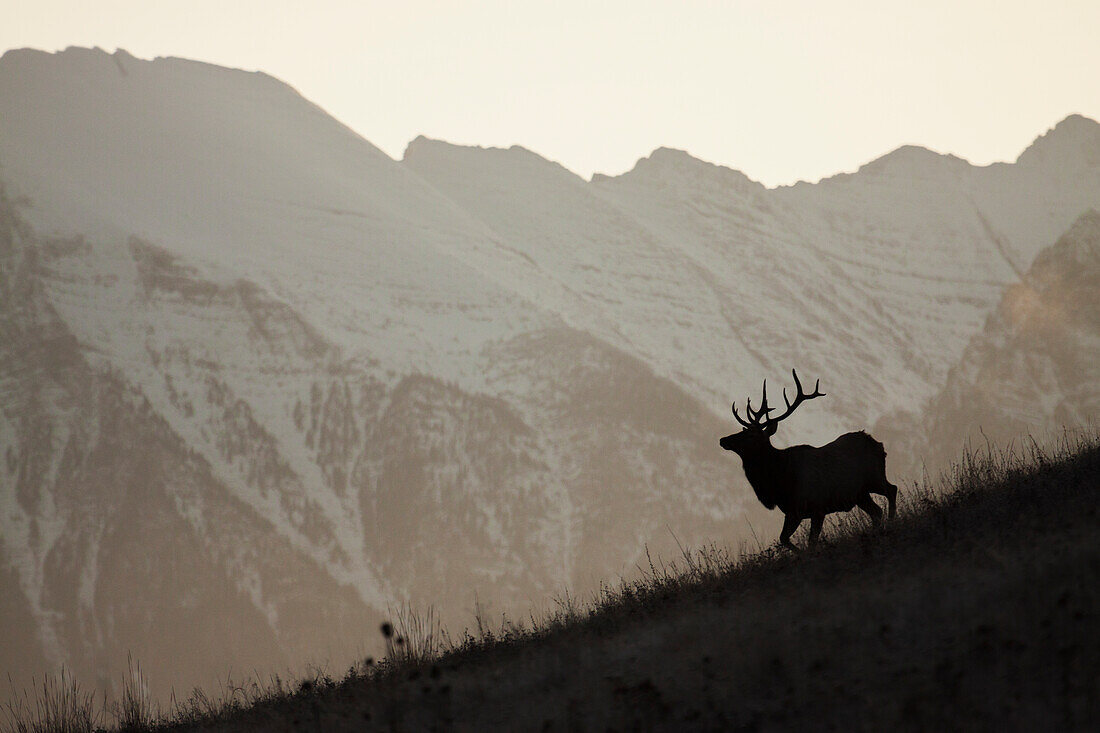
{"points": [[760, 425]]}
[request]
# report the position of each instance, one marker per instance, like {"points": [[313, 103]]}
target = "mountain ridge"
{"points": [[1073, 126]]}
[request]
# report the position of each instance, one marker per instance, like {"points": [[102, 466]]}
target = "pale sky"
{"points": [[781, 90]]}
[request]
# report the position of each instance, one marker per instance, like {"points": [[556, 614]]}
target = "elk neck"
{"points": [[765, 469]]}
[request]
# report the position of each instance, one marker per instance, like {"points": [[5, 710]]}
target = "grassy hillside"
{"points": [[978, 608]]}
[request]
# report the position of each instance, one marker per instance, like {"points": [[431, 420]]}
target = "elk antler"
{"points": [[757, 415], [744, 424], [760, 419], [798, 400]]}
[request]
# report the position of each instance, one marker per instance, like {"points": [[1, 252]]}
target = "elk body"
{"points": [[804, 481]]}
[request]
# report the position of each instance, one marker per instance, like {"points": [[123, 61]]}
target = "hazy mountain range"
{"points": [[261, 382]]}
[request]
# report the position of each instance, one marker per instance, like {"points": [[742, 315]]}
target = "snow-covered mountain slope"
{"points": [[365, 381], [117, 535], [345, 354], [1033, 370], [237, 170], [875, 280]]}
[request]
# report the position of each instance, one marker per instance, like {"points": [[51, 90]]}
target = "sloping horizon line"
{"points": [[596, 175]]}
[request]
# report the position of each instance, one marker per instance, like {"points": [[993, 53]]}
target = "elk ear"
{"points": [[770, 428]]}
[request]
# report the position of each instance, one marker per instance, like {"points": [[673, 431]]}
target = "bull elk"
{"points": [[804, 481]]}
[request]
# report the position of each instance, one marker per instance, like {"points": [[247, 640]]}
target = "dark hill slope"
{"points": [[979, 609]]}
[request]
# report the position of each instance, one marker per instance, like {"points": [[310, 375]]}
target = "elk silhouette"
{"points": [[804, 481]]}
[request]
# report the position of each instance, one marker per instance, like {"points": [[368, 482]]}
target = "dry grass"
{"points": [[59, 705], [976, 607]]}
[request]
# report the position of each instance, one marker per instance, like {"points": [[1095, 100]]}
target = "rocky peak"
{"points": [[913, 160], [428, 154], [666, 166], [1072, 143]]}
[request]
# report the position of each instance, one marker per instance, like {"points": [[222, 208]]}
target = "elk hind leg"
{"points": [[891, 493], [790, 524], [816, 522], [867, 504]]}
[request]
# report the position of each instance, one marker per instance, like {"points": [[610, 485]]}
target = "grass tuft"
{"points": [[58, 705]]}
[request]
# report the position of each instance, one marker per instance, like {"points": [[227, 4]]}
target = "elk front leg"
{"points": [[816, 522], [790, 524]]}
